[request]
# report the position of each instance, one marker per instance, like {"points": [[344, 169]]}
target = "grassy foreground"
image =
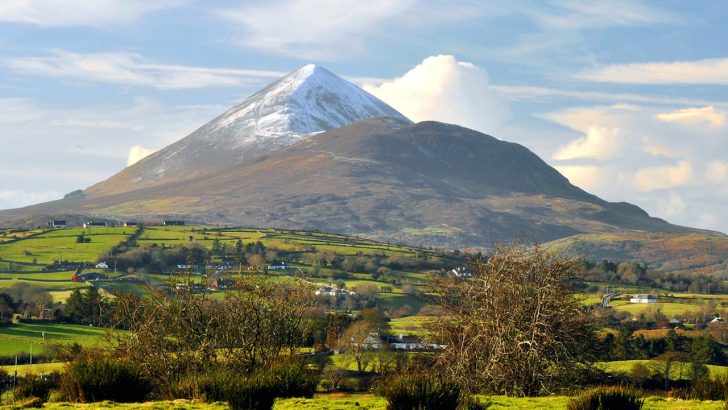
{"points": [[371, 402]]}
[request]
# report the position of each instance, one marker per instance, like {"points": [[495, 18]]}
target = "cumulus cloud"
{"points": [[653, 178], [587, 177], [717, 172], [136, 153], [444, 89], [598, 143], [672, 206], [79, 146], [98, 13], [705, 116], [133, 69], [708, 71]]}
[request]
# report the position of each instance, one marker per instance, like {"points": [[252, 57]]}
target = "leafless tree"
{"points": [[358, 342], [515, 327]]}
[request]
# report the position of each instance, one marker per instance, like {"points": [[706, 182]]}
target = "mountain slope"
{"points": [[306, 101], [428, 183]]}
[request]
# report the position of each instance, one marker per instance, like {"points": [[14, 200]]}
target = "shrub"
{"points": [[258, 390], [294, 380], [420, 391], [33, 387], [253, 392], [705, 388], [94, 378], [607, 398]]}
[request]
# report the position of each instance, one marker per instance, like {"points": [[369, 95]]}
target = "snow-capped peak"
{"points": [[298, 105], [310, 99]]}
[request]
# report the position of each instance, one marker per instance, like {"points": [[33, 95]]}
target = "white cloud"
{"points": [[136, 153], [64, 149], [717, 172], [133, 69], [704, 116], [709, 71], [95, 13], [673, 206], [574, 14], [654, 178], [19, 198], [598, 143], [588, 177], [444, 89], [321, 30]]}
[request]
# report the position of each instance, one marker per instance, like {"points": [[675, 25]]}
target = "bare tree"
{"points": [[516, 326], [358, 341]]}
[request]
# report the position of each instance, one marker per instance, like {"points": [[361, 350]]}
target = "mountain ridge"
{"points": [[308, 100], [427, 183]]}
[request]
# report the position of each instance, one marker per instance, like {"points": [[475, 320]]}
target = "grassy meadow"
{"points": [[17, 338]]}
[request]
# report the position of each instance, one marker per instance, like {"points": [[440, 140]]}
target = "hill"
{"points": [[696, 252]]}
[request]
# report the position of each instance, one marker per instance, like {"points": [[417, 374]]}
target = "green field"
{"points": [[680, 370], [668, 309], [17, 338], [61, 245]]}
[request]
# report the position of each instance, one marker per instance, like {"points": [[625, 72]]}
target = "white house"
{"points": [[643, 299], [277, 266], [57, 224], [461, 272], [102, 265]]}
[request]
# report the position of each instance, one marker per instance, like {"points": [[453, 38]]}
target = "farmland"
{"points": [[395, 275], [17, 338]]}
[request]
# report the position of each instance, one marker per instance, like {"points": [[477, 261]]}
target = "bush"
{"points": [[294, 380], [607, 398], [92, 379], [258, 390], [253, 392], [420, 392], [33, 387], [705, 388]]}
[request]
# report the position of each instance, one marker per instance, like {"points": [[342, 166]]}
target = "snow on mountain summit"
{"points": [[310, 99], [304, 102]]}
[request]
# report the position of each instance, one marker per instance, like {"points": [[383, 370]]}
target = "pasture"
{"points": [[61, 244], [17, 338]]}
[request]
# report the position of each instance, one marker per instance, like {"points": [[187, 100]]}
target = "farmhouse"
{"points": [[88, 276], [411, 343], [57, 224], [461, 272], [277, 266], [643, 299], [102, 265], [95, 224], [332, 291], [174, 223], [128, 223]]}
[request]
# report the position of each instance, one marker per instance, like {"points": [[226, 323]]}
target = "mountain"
{"points": [[304, 102], [428, 183]]}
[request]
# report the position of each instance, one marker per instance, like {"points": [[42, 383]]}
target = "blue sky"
{"points": [[627, 99]]}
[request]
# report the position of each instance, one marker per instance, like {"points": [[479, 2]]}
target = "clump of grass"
{"points": [[607, 398]]}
